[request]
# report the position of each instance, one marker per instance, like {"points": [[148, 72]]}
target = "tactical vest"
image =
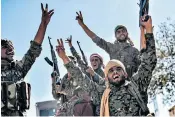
{"points": [[15, 95]]}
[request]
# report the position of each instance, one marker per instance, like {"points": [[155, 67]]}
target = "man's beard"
{"points": [[118, 83], [122, 40], [9, 57]]}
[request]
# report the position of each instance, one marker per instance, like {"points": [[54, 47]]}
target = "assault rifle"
{"points": [[144, 8], [54, 63], [82, 53]]}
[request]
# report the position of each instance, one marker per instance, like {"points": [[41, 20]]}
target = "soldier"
{"points": [[97, 64], [95, 59], [120, 49], [94, 72], [13, 71], [74, 100], [65, 78], [120, 96]]}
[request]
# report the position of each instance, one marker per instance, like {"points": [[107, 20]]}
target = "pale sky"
{"points": [[20, 21]]}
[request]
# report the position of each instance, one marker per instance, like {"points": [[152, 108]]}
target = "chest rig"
{"points": [[15, 93]]}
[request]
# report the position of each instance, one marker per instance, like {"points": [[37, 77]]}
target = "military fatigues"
{"points": [[17, 70], [121, 102], [73, 94], [124, 52], [83, 67], [98, 73]]}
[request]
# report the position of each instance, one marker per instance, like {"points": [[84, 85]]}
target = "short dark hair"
{"points": [[5, 42]]}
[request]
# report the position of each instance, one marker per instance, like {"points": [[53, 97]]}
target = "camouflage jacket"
{"points": [[124, 52], [58, 96], [66, 108], [72, 94], [68, 87], [98, 72], [121, 102], [17, 70]]}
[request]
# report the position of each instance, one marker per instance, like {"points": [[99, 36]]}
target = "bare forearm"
{"points": [[39, 37], [88, 31], [65, 59], [149, 30], [142, 39]]}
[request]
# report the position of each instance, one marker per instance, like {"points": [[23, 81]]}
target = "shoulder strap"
{"points": [[133, 90]]}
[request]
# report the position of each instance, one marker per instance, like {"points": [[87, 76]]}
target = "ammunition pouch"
{"points": [[15, 96]]}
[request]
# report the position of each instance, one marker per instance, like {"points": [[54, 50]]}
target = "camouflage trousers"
{"points": [[11, 113], [66, 109], [76, 106]]}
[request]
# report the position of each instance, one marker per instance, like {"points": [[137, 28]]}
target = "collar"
{"points": [[116, 88], [121, 44]]}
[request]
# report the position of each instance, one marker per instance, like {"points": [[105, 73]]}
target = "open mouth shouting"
{"points": [[116, 77]]}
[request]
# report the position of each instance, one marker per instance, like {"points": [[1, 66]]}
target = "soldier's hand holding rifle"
{"points": [[147, 24], [90, 71]]}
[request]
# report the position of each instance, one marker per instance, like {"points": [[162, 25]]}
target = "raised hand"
{"points": [[90, 71], [69, 41], [46, 16], [60, 49], [79, 17], [147, 24]]}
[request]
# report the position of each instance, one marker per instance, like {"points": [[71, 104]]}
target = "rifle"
{"points": [[54, 63], [144, 8], [82, 53]]}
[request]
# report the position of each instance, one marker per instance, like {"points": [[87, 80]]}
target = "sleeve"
{"points": [[54, 94], [137, 58], [98, 79], [102, 43], [148, 62], [29, 58], [74, 53], [79, 60]]}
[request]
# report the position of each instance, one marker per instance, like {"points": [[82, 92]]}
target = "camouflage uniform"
{"points": [[98, 73], [73, 94], [17, 70], [83, 67], [121, 101], [124, 52]]}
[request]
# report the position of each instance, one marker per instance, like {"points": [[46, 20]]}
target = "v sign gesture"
{"points": [[46, 15]]}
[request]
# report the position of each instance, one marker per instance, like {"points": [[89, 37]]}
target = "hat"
{"points": [[113, 63], [119, 27], [97, 55]]}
